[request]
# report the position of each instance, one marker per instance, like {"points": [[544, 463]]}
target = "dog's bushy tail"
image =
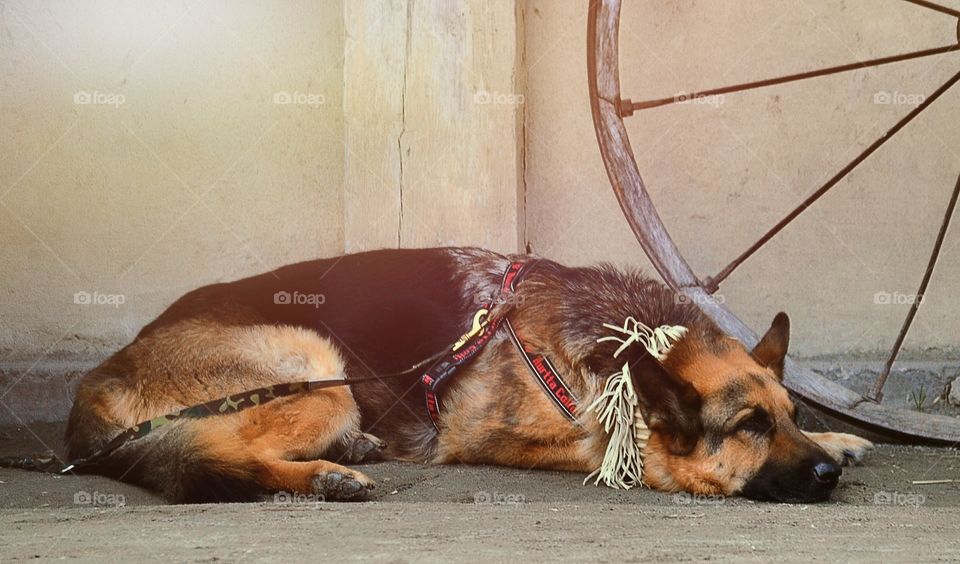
{"points": [[184, 462], [187, 461]]}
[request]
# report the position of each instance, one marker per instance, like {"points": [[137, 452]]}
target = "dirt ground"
{"points": [[431, 513]]}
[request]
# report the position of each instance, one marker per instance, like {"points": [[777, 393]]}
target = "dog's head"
{"points": [[723, 424], [721, 421]]}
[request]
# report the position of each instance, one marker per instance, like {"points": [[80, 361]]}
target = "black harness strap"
{"points": [[473, 342], [470, 344], [547, 376]]}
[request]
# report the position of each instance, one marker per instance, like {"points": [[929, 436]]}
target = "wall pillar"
{"points": [[433, 115]]}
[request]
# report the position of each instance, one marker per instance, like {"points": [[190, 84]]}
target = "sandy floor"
{"points": [[479, 513]]}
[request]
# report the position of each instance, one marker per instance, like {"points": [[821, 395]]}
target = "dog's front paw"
{"points": [[365, 448], [844, 448], [356, 448]]}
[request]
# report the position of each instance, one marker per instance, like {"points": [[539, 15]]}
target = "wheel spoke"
{"points": [[711, 284], [877, 393], [935, 7], [628, 107]]}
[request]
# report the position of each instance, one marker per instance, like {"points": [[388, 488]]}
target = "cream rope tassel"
{"points": [[617, 406]]}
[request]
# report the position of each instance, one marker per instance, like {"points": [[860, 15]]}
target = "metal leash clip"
{"points": [[479, 324]]}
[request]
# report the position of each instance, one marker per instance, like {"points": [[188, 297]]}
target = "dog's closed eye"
{"points": [[755, 421]]}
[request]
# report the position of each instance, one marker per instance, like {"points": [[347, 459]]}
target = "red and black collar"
{"points": [[483, 329]]}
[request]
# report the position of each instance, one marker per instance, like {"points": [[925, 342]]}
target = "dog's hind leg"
{"points": [[842, 447], [228, 457], [286, 438], [293, 434], [241, 456]]}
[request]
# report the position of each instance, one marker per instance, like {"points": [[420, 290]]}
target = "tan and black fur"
{"points": [[721, 421]]}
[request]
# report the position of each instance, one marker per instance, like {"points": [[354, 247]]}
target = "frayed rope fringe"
{"points": [[617, 406]]}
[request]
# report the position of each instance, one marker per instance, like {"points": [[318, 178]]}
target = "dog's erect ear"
{"points": [[772, 348], [669, 405]]}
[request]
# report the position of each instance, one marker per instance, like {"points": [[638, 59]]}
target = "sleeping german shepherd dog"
{"points": [[721, 423]]}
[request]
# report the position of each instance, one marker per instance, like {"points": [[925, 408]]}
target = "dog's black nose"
{"points": [[827, 473]]}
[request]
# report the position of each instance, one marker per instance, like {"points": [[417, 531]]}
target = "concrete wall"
{"points": [[722, 172], [151, 147]]}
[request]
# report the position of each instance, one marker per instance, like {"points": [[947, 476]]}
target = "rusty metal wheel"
{"points": [[609, 110]]}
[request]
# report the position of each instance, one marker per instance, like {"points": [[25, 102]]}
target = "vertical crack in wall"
{"points": [[403, 118], [520, 86]]}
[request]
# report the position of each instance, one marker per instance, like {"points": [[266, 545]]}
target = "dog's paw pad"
{"points": [[342, 486]]}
